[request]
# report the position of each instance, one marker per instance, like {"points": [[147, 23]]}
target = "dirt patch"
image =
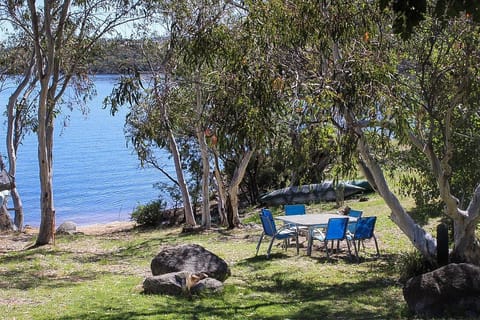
{"points": [[17, 241]]}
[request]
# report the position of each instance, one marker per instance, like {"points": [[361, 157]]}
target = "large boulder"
{"points": [[178, 283], [452, 290], [192, 258]]}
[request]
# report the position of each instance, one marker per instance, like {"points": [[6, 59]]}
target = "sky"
{"points": [[125, 30]]}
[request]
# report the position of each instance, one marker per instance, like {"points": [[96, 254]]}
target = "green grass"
{"points": [[100, 277]]}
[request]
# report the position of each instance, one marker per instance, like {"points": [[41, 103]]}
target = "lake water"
{"points": [[97, 178]]}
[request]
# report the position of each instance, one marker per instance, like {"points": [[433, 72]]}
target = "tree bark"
{"points": [[46, 65], [421, 240], [187, 205], [206, 217], [222, 199], [5, 220], [18, 207], [202, 143], [14, 137], [232, 197], [45, 144], [466, 246]]}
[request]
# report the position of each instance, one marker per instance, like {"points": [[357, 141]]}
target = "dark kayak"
{"points": [[311, 193]]}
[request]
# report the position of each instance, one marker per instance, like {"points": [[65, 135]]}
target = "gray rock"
{"points": [[192, 258], [181, 283], [452, 290], [207, 285], [166, 283], [68, 227]]}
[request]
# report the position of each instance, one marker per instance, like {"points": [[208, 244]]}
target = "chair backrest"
{"points": [[268, 223], [364, 228], [355, 213], [336, 229], [294, 209]]}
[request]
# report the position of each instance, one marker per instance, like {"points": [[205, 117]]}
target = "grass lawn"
{"points": [[100, 277]]}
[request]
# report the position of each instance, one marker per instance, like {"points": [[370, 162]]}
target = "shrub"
{"points": [[411, 264], [150, 214]]}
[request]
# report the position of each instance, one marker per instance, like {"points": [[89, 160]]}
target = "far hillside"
{"points": [[113, 56], [120, 56]]}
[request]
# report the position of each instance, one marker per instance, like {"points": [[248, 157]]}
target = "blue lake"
{"points": [[97, 177]]}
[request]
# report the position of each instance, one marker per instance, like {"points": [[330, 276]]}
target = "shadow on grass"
{"points": [[294, 299], [36, 267], [374, 277], [180, 308]]}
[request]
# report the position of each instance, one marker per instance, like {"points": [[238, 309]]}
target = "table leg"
{"points": [[310, 241], [296, 241]]}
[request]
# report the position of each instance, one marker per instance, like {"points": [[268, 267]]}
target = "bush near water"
{"points": [[150, 214]]}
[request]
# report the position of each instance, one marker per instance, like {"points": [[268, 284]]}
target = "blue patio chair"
{"points": [[270, 230], [336, 231], [294, 209], [364, 230], [354, 214]]}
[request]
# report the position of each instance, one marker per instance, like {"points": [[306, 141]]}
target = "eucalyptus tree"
{"points": [[18, 72], [383, 94], [438, 80], [423, 92], [226, 71], [181, 88], [216, 86], [152, 123], [247, 105], [198, 36], [62, 35]]}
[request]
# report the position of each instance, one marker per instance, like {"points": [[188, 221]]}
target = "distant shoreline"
{"points": [[94, 229]]}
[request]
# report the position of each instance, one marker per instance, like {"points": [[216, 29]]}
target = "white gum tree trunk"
{"points": [[187, 205], [202, 143], [466, 246], [422, 240], [13, 139], [222, 199], [45, 143], [206, 217], [232, 197]]}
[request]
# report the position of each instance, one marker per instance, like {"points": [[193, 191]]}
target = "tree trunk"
{"points": [[18, 206], [232, 197], [45, 156], [187, 205], [339, 192], [466, 245], [5, 220], [206, 217], [14, 137], [232, 221], [47, 223], [222, 200], [202, 143], [420, 239]]}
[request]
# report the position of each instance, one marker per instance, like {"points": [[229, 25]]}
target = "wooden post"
{"points": [[442, 244]]}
